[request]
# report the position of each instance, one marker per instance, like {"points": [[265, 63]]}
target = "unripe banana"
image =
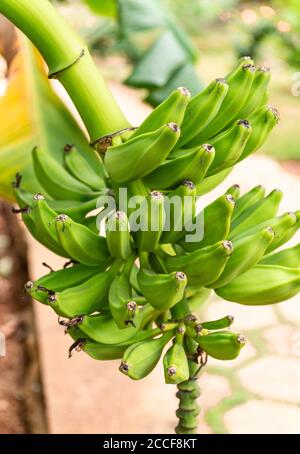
{"points": [[247, 252], [229, 146], [249, 199], [121, 304], [290, 231], [86, 298], [280, 226], [170, 110], [256, 214], [181, 210], [162, 291], [262, 122], [239, 82], [81, 169], [80, 242], [141, 358], [221, 323], [56, 180], [223, 345], [190, 164], [287, 257], [234, 191], [202, 109], [261, 285], [176, 368], [103, 329], [152, 219], [203, 266], [57, 281], [214, 230], [141, 155], [118, 235], [259, 93], [44, 218]]}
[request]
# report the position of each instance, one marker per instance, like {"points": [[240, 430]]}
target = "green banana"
{"points": [[141, 358], [223, 345], [103, 329], [176, 368], [262, 122], [202, 109], [229, 146], [249, 199], [203, 266], [234, 191], [259, 212], [77, 210], [221, 323], [190, 165], [56, 180], [170, 110], [57, 281], [80, 242], [121, 304], [162, 291], [180, 209], [112, 351], [152, 219], [287, 257], [44, 218], [239, 82], [213, 229], [280, 226], [86, 298], [259, 93], [81, 169], [247, 252], [139, 156], [118, 235], [261, 285], [293, 228]]}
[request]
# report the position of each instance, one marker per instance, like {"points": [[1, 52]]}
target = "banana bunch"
{"points": [[131, 293]]}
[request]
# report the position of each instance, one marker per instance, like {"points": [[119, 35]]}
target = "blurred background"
{"points": [[145, 49]]}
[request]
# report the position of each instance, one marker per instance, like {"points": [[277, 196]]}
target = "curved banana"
{"points": [[176, 367], [213, 229], [170, 110], [56, 180], [81, 169], [152, 219], [202, 109], [229, 146], [234, 191], [250, 198], [203, 266], [80, 242], [162, 291], [189, 165], [261, 285], [86, 298], [287, 257], [141, 155], [141, 358], [223, 345], [247, 252]]}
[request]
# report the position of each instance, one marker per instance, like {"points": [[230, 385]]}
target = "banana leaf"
{"points": [[139, 15], [103, 7], [31, 114]]}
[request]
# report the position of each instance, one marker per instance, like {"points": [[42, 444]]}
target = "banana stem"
{"points": [[188, 391], [70, 62]]}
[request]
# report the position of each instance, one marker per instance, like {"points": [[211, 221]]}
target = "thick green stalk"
{"points": [[70, 62]]}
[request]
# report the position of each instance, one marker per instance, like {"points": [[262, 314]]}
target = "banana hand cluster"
{"points": [[130, 294]]}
